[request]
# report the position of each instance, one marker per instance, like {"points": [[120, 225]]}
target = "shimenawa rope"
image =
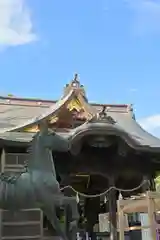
{"points": [[106, 191]]}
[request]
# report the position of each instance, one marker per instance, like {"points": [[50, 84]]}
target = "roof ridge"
{"points": [[38, 100], [27, 99]]}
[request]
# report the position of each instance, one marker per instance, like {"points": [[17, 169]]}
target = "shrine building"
{"points": [[107, 146]]}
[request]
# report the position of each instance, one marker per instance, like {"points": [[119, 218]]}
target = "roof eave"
{"points": [[109, 129]]}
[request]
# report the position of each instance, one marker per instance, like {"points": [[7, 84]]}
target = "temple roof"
{"points": [[19, 118], [21, 113]]}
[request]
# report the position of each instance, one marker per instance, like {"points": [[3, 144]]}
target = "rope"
{"points": [[106, 191]]}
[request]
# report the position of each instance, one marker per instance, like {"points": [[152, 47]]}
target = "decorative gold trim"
{"points": [[32, 129], [75, 104]]}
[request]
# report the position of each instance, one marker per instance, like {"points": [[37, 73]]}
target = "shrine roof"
{"points": [[18, 112], [15, 112], [19, 118]]}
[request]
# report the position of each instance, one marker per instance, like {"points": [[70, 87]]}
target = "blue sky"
{"points": [[113, 45]]}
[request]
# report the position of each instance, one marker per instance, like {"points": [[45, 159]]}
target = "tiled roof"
{"points": [[17, 111]]}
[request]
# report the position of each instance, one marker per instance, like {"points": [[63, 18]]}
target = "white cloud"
{"points": [[146, 15], [151, 124], [16, 27]]}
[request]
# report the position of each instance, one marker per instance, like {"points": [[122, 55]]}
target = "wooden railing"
{"points": [[14, 162]]}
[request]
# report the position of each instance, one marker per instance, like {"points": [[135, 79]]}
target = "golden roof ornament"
{"points": [[74, 84]]}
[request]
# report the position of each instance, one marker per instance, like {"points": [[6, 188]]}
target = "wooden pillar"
{"points": [[120, 220], [3, 157], [151, 210], [92, 209], [112, 204], [146, 186], [67, 220]]}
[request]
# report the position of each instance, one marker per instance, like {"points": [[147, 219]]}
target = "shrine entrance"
{"points": [[98, 147], [100, 163]]}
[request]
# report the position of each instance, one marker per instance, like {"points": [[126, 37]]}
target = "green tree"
{"points": [[157, 182]]}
